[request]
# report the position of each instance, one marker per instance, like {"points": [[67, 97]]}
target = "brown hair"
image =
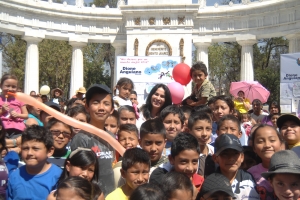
{"points": [[7, 76]]}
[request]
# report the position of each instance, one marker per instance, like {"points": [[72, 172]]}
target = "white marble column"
{"points": [[247, 73], [120, 50], [294, 43], [202, 52], [31, 65], [76, 67]]}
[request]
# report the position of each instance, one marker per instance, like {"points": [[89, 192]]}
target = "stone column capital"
{"points": [[202, 44], [246, 42], [77, 44], [293, 36], [31, 39], [117, 45]]}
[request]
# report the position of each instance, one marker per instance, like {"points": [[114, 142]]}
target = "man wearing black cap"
{"points": [[99, 104], [229, 156]]}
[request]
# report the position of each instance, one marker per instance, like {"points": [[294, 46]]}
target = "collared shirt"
{"points": [[205, 90]]}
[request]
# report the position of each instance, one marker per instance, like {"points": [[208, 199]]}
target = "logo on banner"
{"points": [[130, 70]]}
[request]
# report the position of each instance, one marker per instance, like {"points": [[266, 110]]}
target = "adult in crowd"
{"points": [[56, 95], [274, 108], [80, 93], [241, 103], [258, 113]]}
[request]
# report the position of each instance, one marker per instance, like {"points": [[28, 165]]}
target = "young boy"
{"points": [[61, 133], [200, 126], [173, 120], [215, 186], [284, 175], [289, 127], [229, 156], [153, 141], [135, 170], [258, 114], [204, 89], [128, 138], [37, 178], [99, 104], [184, 157]]}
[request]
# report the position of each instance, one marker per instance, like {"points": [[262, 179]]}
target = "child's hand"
{"points": [[5, 107], [14, 114], [189, 101]]}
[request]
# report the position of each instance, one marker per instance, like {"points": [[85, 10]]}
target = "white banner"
{"points": [[290, 68], [146, 72]]}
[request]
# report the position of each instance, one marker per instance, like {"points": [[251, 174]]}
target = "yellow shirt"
{"points": [[240, 105], [294, 145], [117, 194]]}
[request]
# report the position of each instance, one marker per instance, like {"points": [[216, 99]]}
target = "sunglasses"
{"points": [[58, 132]]}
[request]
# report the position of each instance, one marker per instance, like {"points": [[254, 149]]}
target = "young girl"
{"points": [[13, 112], [265, 141], [81, 162], [274, 118], [246, 123], [112, 123], [77, 188], [124, 86], [79, 113]]}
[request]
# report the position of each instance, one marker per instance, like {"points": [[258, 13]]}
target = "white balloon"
{"points": [[45, 89]]}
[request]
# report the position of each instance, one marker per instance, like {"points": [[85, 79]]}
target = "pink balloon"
{"points": [[70, 121], [181, 73], [177, 92]]}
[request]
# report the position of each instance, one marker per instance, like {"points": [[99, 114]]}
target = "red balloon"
{"points": [[181, 73]]}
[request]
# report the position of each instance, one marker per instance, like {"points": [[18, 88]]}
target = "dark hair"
{"points": [[186, 109], [97, 191], [126, 107], [227, 100], [172, 109], [81, 186], [54, 121], [276, 105], [245, 114], [7, 76], [123, 81], [211, 100], [194, 117], [198, 66], [82, 158], [70, 102], [257, 101], [96, 90], [263, 126], [147, 107], [44, 96], [133, 92], [133, 156], [229, 118], [115, 115], [203, 109], [29, 107], [175, 181], [77, 110], [241, 92], [152, 126], [39, 134], [184, 141], [128, 128], [148, 191], [239, 115]]}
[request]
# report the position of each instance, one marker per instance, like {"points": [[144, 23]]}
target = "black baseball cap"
{"points": [[283, 118], [227, 141], [97, 88], [215, 182], [53, 105]]}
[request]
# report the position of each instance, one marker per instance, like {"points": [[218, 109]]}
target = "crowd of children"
{"points": [[203, 149]]}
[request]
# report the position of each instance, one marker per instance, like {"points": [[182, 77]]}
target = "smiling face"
{"points": [[128, 139], [185, 162], [266, 143], [229, 160], [290, 131], [221, 109], [86, 172], [9, 85], [286, 186], [158, 98], [202, 131], [60, 140], [136, 175], [172, 125]]}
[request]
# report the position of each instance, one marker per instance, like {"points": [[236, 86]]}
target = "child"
{"points": [[61, 137], [34, 114], [135, 170], [265, 141], [289, 127], [153, 140], [187, 110], [81, 162], [79, 113], [246, 123], [13, 112], [203, 89], [45, 117], [148, 191], [184, 157], [128, 138], [173, 120], [127, 115], [100, 105], [124, 86], [229, 156], [177, 186], [37, 178], [133, 97], [258, 114], [284, 175], [77, 188], [215, 186], [112, 122], [200, 126], [274, 117]]}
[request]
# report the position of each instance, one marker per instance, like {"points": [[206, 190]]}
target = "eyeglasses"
{"points": [[58, 132]]}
